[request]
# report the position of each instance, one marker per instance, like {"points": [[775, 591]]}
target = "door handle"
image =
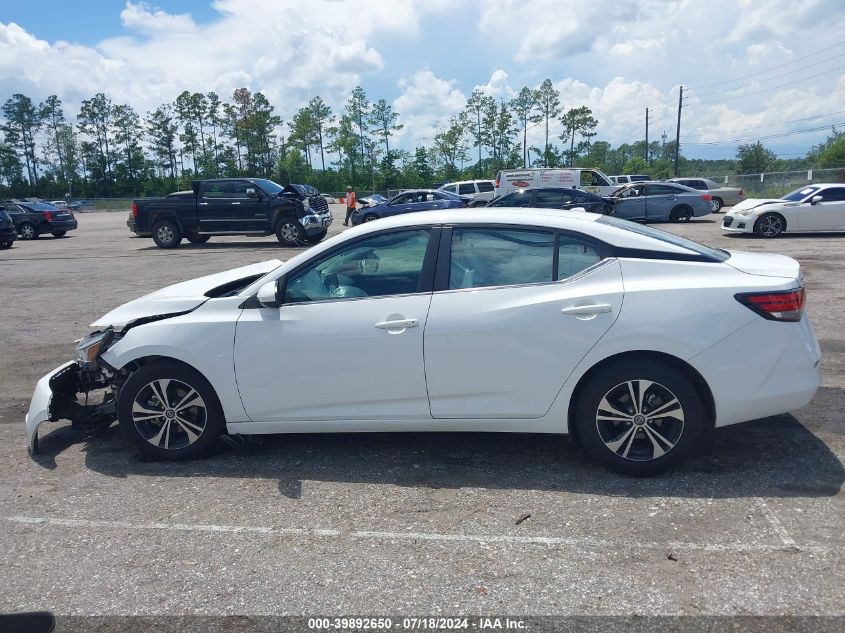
{"points": [[236, 203], [202, 204], [399, 324], [596, 308]]}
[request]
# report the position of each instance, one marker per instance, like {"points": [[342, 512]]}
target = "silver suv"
{"points": [[481, 191]]}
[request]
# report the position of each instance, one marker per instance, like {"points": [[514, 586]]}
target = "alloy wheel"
{"points": [[771, 225], [640, 420], [27, 232], [289, 232], [169, 414]]}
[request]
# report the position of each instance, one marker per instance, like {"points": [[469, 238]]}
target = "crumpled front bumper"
{"points": [[55, 399], [39, 407]]}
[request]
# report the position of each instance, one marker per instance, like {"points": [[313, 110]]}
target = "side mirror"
{"points": [[816, 199], [271, 294], [251, 192]]}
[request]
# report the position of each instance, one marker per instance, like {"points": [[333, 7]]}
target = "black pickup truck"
{"points": [[296, 214]]}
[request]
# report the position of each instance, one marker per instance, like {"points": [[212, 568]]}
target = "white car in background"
{"points": [[481, 191], [818, 207], [506, 320]]}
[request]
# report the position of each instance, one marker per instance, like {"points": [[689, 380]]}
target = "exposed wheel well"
{"points": [[164, 215], [685, 368], [134, 365]]}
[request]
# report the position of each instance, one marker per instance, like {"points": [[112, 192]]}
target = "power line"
{"points": [[783, 123], [769, 89], [771, 68], [769, 136], [791, 72]]}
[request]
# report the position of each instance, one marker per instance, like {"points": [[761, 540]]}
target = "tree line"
{"points": [[109, 149]]}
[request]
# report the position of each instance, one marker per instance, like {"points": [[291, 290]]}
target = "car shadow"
{"points": [[212, 246], [771, 457]]}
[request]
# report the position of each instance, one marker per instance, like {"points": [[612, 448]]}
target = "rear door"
{"points": [[826, 215], [514, 311], [659, 201]]}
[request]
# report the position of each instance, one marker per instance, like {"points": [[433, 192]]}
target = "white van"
{"points": [[592, 180]]}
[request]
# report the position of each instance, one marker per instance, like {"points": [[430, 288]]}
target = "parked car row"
{"points": [[32, 219]]}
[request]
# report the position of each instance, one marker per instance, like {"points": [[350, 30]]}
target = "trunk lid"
{"points": [[765, 264]]}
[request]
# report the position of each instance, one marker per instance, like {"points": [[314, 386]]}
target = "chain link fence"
{"points": [[778, 183]]}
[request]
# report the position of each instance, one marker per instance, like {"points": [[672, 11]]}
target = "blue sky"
{"points": [[426, 57]]}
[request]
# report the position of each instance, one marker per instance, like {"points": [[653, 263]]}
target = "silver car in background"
{"points": [[659, 202], [722, 196]]}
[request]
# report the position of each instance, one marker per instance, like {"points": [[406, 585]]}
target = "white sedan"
{"points": [[812, 208], [510, 320]]}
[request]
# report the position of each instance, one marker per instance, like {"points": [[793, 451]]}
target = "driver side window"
{"points": [[377, 266]]}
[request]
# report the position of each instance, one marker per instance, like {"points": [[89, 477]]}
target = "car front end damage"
{"points": [[56, 395]]}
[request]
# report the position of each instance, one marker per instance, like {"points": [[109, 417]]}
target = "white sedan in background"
{"points": [[510, 320], [812, 208]]}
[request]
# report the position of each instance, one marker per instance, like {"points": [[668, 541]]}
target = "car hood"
{"points": [[751, 203], [765, 264], [181, 297]]}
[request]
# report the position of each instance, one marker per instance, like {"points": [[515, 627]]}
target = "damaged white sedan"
{"points": [[509, 320]]}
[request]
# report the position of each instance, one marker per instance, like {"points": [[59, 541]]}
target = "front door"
{"points": [[519, 314], [347, 342], [825, 215], [226, 206]]}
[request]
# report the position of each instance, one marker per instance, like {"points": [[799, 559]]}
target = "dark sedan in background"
{"points": [[553, 198], [32, 219], [409, 202], [660, 201], [8, 232]]}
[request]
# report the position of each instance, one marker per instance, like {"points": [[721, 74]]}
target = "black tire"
{"points": [[289, 232], [27, 231], [769, 225], [317, 237], [58, 233], [369, 218], [681, 213], [717, 204], [179, 433], [623, 440], [166, 234], [198, 239], [5, 245]]}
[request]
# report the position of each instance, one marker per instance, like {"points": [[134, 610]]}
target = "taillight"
{"points": [[706, 196], [134, 210], [48, 215], [741, 193], [787, 305]]}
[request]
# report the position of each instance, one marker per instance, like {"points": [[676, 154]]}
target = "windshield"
{"points": [[670, 238], [269, 186], [799, 194]]}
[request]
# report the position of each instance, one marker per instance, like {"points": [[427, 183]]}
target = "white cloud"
{"points": [[140, 17], [426, 103]]}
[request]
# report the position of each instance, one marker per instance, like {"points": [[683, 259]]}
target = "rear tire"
{"points": [[5, 245], [198, 239], [618, 428], [166, 234], [27, 231], [289, 232], [681, 213], [58, 233], [769, 225], [190, 417], [716, 204]]}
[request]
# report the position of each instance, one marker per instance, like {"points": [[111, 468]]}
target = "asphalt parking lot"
{"points": [[405, 523]]}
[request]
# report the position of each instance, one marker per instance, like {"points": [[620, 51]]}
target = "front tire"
{"points": [[369, 218], [27, 231], [58, 233], [289, 232], [640, 418], [769, 225], [198, 239], [168, 411], [681, 213], [166, 234], [5, 245]]}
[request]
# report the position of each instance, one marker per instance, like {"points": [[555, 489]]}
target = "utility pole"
{"points": [[646, 138], [678, 130]]}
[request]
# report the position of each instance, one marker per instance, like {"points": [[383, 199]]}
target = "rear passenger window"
{"points": [[549, 198], [574, 256], [485, 187], [836, 194], [500, 257], [450, 189], [466, 188]]}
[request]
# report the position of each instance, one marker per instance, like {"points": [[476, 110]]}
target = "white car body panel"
{"points": [[39, 406], [801, 216], [482, 359]]}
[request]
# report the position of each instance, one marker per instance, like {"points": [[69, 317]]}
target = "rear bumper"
{"points": [[8, 235], [67, 225], [765, 368]]}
